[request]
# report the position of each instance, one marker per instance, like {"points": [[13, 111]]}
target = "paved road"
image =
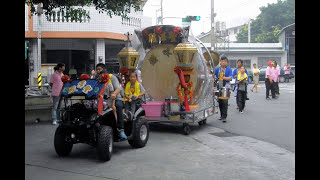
{"points": [[268, 120], [209, 152]]}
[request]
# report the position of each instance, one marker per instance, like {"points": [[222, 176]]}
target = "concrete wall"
{"points": [[99, 22], [280, 57], [255, 56]]}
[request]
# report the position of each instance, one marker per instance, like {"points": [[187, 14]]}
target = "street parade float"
{"points": [[86, 118], [176, 74]]}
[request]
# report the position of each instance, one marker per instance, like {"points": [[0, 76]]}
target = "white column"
{"points": [[100, 51], [34, 57]]}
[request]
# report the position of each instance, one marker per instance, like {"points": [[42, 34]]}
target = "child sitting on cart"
{"points": [[133, 92]]}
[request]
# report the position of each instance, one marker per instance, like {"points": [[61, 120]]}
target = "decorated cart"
{"points": [[176, 74]]}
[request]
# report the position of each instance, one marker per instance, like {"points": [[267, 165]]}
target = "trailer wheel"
{"points": [[186, 128]]}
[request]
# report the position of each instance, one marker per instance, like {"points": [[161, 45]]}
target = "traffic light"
{"points": [[193, 18]]}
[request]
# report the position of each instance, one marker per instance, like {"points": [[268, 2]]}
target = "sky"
{"points": [[233, 12]]}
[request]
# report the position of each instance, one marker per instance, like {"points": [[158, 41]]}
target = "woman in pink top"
{"points": [[56, 85]]}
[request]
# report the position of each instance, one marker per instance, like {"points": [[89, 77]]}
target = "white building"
{"points": [[77, 44], [253, 53], [250, 53], [222, 34]]}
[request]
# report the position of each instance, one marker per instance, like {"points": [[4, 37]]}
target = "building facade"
{"points": [[287, 38], [254, 53], [79, 45]]}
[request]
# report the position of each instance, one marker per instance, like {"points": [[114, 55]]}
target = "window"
{"points": [[264, 60], [247, 63], [232, 63]]}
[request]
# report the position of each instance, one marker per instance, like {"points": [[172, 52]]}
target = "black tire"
{"points": [[186, 129], [200, 123], [105, 143], [140, 133], [204, 121], [62, 147]]}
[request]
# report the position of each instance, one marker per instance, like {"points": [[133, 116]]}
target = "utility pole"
{"points": [[160, 18], [161, 14], [39, 12], [249, 38], [212, 26]]}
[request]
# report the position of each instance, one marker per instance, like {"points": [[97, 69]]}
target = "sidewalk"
{"points": [[36, 172], [207, 153]]}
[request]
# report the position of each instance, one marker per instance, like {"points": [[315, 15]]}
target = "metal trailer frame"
{"points": [[191, 116]]}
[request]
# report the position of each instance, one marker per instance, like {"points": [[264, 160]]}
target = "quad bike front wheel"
{"points": [[105, 143], [141, 133], [62, 143]]}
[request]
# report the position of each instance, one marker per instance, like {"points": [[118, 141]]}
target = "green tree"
{"points": [[267, 25], [74, 8]]}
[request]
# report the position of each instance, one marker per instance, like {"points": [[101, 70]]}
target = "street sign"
{"points": [[185, 22], [193, 18]]}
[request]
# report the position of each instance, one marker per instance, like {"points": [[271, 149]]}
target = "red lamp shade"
{"points": [[105, 78], [124, 71], [158, 30], [145, 33], [65, 78], [177, 30], [84, 77]]}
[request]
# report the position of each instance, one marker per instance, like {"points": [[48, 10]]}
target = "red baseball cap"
{"points": [[269, 63]]}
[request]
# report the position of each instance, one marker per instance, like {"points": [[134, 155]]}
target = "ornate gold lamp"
{"points": [[185, 54], [128, 57]]}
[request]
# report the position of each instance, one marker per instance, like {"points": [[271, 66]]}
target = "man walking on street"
{"points": [[276, 78], [255, 73], [270, 72], [56, 85], [287, 70], [224, 74]]}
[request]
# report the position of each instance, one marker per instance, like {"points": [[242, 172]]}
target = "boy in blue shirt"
{"points": [[224, 74]]}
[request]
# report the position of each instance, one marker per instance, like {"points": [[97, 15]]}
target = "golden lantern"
{"points": [[128, 58], [215, 57], [185, 54]]}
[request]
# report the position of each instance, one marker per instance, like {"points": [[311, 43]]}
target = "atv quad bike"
{"points": [[81, 121]]}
